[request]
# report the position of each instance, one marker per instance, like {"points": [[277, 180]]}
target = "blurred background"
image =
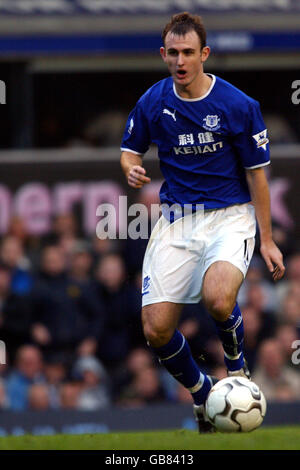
{"points": [[76, 359]]}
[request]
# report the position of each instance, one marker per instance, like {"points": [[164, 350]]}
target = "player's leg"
{"points": [[170, 346], [221, 284], [171, 277]]}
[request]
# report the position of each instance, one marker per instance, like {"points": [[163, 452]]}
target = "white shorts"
{"points": [[179, 254]]}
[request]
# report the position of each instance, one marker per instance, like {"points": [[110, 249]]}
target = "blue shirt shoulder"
{"points": [[239, 110]]}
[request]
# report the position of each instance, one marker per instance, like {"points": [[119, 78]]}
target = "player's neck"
{"points": [[198, 88]]}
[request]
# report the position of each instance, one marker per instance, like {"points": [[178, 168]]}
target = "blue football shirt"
{"points": [[204, 144]]}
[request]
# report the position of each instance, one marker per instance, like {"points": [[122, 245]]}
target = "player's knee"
{"points": [[220, 308], [157, 336]]}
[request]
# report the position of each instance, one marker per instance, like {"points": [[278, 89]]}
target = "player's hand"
{"points": [[273, 259], [136, 177]]}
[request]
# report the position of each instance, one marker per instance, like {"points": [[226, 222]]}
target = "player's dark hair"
{"points": [[182, 23]]}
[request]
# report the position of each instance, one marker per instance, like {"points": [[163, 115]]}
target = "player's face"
{"points": [[184, 57]]}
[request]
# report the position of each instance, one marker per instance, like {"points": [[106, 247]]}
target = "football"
{"points": [[235, 404]]}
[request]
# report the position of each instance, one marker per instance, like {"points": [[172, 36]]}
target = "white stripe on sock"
{"points": [[232, 358], [234, 327], [198, 385], [177, 352]]}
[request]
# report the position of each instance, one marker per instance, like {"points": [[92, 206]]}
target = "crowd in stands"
{"points": [[70, 318]]}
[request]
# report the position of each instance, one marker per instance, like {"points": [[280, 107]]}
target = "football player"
{"points": [[213, 146]]}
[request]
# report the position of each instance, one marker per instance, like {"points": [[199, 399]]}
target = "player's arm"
{"points": [[260, 195], [133, 170]]}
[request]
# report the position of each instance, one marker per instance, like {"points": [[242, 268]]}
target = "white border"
{"points": [[131, 151], [257, 166]]}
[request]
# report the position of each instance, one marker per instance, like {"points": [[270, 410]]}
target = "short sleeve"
{"points": [[252, 144], [136, 137]]}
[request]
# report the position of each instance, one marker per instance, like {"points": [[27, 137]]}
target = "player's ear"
{"points": [[205, 51], [163, 53]]}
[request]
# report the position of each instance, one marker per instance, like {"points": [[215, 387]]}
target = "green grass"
{"points": [[273, 438]]}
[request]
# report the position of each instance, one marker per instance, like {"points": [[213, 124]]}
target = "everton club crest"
{"points": [[211, 122]]}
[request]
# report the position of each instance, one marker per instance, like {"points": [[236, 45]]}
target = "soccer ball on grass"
{"points": [[235, 404]]}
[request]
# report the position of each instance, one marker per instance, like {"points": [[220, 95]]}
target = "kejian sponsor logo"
{"points": [[198, 149]]}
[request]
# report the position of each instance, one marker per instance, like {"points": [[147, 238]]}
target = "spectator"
{"points": [[144, 389], [64, 233], [135, 248], [4, 401], [28, 371], [280, 129], [55, 373], [17, 228], [293, 270], [123, 305], [272, 373], [38, 397], [148, 387], [65, 226], [253, 326], [197, 326], [80, 272], [292, 277], [104, 246], [94, 393], [257, 298], [80, 262], [284, 239], [69, 394], [138, 359], [255, 277], [258, 326], [290, 311], [105, 129], [66, 312], [15, 314], [12, 254], [294, 289]]}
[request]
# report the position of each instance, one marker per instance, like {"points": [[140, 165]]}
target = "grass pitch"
{"points": [[268, 438]]}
